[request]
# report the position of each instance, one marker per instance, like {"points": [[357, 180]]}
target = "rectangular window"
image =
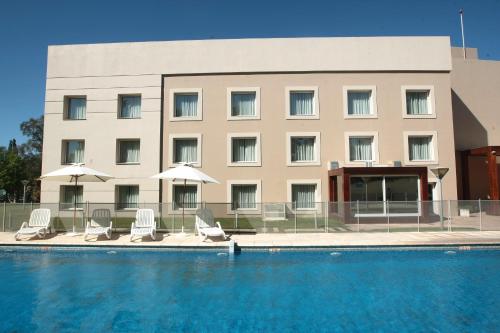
{"points": [[130, 107], [185, 105], [361, 149], [68, 194], [417, 102], [303, 196], [76, 108], [244, 150], [73, 151], [303, 149], [185, 150], [127, 196], [128, 151], [420, 148], [359, 103], [243, 196], [301, 103], [243, 104], [185, 196]]}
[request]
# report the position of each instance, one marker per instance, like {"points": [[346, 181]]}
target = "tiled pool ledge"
{"points": [[306, 240]]}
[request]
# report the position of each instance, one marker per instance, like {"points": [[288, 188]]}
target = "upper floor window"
{"points": [[73, 151], [128, 151], [243, 103], [130, 106], [360, 102], [185, 148], [303, 148], [420, 147], [418, 102], [361, 147], [185, 104], [243, 149], [302, 103], [76, 108]]}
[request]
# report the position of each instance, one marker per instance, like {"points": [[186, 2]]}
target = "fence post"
{"points": [[480, 216], [326, 217], [388, 218], [295, 215], [419, 210], [173, 219], [236, 220], [449, 215], [357, 212], [3, 216]]}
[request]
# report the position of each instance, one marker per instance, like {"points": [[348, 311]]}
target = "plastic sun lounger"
{"points": [[204, 220], [144, 224], [100, 224], [38, 224]]}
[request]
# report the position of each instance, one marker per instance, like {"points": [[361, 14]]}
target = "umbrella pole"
{"points": [[74, 206], [183, 203]]}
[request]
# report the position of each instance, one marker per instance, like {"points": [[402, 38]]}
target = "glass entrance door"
{"points": [[381, 195]]}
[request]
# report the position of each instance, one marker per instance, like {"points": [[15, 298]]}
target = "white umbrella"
{"points": [[186, 173], [75, 173]]}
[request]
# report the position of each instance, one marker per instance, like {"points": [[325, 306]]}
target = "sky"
{"points": [[28, 27]]}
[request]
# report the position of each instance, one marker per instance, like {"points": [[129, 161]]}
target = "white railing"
{"points": [[359, 216]]}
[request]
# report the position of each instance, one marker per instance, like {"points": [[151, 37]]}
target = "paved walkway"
{"points": [[274, 240]]}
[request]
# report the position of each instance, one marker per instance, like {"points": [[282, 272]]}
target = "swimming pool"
{"points": [[119, 290]]}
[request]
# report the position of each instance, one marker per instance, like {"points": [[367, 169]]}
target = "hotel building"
{"points": [[298, 120]]}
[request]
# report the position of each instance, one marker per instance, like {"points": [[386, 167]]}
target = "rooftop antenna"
{"points": [[461, 12]]}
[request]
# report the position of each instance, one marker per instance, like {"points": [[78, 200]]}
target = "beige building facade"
{"points": [[273, 117]]}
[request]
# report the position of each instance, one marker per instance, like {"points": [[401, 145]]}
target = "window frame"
{"points": [[434, 147], [66, 104], [117, 197], [363, 134], [229, 102], [171, 150], [258, 157], [431, 103], [258, 196], [64, 151], [118, 147], [317, 148], [170, 194], [317, 196], [171, 104], [120, 103], [373, 101], [292, 89]]}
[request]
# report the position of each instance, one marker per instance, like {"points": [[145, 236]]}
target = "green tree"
{"points": [[31, 153], [12, 172]]}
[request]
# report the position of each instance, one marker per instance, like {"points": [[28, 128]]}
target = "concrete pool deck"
{"points": [[273, 240]]}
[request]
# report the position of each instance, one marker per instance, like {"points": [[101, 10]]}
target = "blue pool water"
{"points": [[70, 290]]}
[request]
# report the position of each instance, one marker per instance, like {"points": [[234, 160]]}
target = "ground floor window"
{"points": [[303, 195], [127, 196], [184, 196], [243, 196], [68, 194]]}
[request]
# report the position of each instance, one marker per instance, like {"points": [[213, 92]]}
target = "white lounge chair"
{"points": [[99, 224], [144, 224], [204, 225], [38, 224]]}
